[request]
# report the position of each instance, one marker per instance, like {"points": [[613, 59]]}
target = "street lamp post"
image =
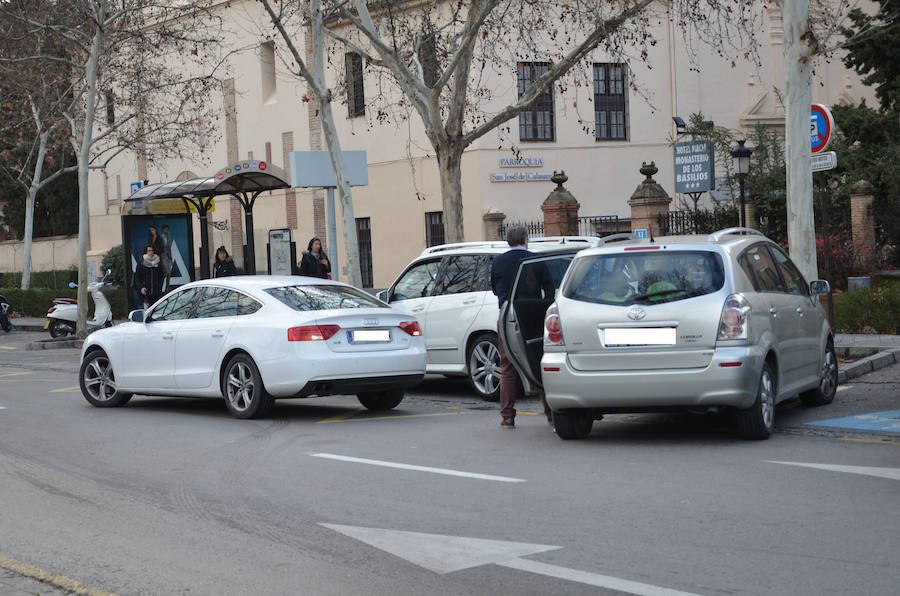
{"points": [[741, 159]]}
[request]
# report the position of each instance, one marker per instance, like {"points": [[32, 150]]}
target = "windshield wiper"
{"points": [[649, 295]]}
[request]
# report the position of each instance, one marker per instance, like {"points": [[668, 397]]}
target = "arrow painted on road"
{"points": [[445, 554], [890, 473]]}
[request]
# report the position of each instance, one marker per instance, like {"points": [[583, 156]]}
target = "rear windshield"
{"points": [[639, 277], [324, 297]]}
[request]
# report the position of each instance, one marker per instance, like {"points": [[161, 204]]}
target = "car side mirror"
{"points": [[819, 286], [136, 316], [382, 295]]}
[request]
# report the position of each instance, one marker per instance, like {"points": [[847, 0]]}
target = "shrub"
{"points": [[848, 259], [114, 259], [869, 311]]}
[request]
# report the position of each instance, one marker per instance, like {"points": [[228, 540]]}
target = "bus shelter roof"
{"points": [[249, 177]]}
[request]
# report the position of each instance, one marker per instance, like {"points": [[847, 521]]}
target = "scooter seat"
{"points": [[65, 301]]}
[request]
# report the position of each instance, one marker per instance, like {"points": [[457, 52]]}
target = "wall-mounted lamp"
{"points": [[680, 126]]}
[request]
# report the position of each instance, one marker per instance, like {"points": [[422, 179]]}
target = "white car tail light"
{"points": [[735, 322], [411, 327], [312, 332], [552, 328]]}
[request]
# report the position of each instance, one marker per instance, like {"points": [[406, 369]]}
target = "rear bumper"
{"points": [[712, 385], [361, 385]]}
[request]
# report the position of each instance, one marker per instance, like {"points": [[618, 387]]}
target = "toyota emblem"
{"points": [[636, 313]]}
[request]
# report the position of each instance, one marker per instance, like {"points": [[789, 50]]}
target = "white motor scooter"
{"points": [[62, 316]]}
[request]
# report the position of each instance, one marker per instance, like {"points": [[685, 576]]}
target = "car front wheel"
{"points": [[245, 395], [757, 421], [824, 392], [98, 382], [484, 366], [381, 400], [572, 424]]}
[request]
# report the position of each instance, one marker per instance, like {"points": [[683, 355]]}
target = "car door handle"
{"points": [[470, 301], [218, 333], [418, 309], [168, 335]]}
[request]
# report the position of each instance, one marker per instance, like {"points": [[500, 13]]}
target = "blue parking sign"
{"points": [[136, 186]]}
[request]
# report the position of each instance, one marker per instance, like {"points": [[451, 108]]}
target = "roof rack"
{"points": [[587, 240], [716, 236], [442, 247]]}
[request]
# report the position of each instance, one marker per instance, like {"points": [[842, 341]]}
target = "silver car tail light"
{"points": [[552, 328], [735, 322]]}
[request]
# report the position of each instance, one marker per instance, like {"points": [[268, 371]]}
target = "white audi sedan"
{"points": [[254, 339]]}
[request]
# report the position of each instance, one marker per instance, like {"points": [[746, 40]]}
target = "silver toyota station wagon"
{"points": [[693, 322]]}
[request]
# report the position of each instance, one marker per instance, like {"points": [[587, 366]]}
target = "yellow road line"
{"points": [[18, 374], [76, 387], [76, 587], [8, 348], [844, 387], [340, 417], [878, 441], [346, 417]]}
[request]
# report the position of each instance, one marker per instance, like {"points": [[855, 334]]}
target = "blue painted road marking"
{"points": [[881, 421]]}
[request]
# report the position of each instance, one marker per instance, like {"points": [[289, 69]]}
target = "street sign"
{"points": [[821, 125], [695, 167], [641, 233], [823, 161], [136, 186]]}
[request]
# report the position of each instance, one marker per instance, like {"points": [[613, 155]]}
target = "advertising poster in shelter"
{"points": [[171, 238]]}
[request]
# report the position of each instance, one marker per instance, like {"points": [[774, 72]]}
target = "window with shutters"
{"points": [[536, 121], [610, 103]]}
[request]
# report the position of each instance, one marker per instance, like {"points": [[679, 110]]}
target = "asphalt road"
{"points": [[173, 496]]}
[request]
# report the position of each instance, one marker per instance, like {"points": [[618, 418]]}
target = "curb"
{"points": [[55, 344], [870, 364]]}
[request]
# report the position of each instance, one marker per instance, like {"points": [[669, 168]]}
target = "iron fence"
{"points": [[702, 221], [596, 225]]}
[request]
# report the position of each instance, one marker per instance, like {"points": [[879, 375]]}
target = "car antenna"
{"points": [[652, 239]]}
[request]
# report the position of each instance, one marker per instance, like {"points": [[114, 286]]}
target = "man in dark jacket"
{"points": [[503, 274]]}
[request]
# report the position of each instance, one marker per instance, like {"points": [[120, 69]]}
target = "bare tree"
{"points": [[441, 55], [33, 123], [290, 19], [149, 64]]}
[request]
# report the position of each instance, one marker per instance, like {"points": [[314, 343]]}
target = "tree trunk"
{"points": [[83, 155], [450, 165], [350, 273], [29, 209], [798, 80]]}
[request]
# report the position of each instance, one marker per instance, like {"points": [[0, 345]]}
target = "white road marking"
{"points": [[445, 554], [2, 407], [890, 473], [444, 471], [591, 579]]}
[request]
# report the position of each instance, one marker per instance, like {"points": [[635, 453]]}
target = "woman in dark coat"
{"points": [[148, 277], [224, 265], [314, 262]]}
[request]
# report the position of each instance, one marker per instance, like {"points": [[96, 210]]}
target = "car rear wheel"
{"points": [[823, 394], [381, 400], [484, 366], [757, 421], [245, 395], [572, 424], [98, 382]]}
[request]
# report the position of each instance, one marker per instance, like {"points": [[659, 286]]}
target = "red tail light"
{"points": [[49, 312], [411, 327], [553, 330], [312, 332]]}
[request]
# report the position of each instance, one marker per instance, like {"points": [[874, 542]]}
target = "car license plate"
{"points": [[368, 335], [646, 336]]}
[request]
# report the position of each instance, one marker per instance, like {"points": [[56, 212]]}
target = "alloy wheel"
{"points": [[484, 367], [99, 379], [240, 386]]}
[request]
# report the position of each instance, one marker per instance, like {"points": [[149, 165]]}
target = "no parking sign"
{"points": [[821, 124]]}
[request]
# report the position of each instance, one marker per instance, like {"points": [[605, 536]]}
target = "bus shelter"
{"points": [[244, 181]]}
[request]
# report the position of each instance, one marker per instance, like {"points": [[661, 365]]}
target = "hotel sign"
{"points": [[695, 169]]}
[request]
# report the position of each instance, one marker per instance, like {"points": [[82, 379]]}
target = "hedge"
{"points": [[41, 279], [869, 311], [35, 302]]}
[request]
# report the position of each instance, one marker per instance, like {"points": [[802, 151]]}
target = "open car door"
{"points": [[522, 316]]}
